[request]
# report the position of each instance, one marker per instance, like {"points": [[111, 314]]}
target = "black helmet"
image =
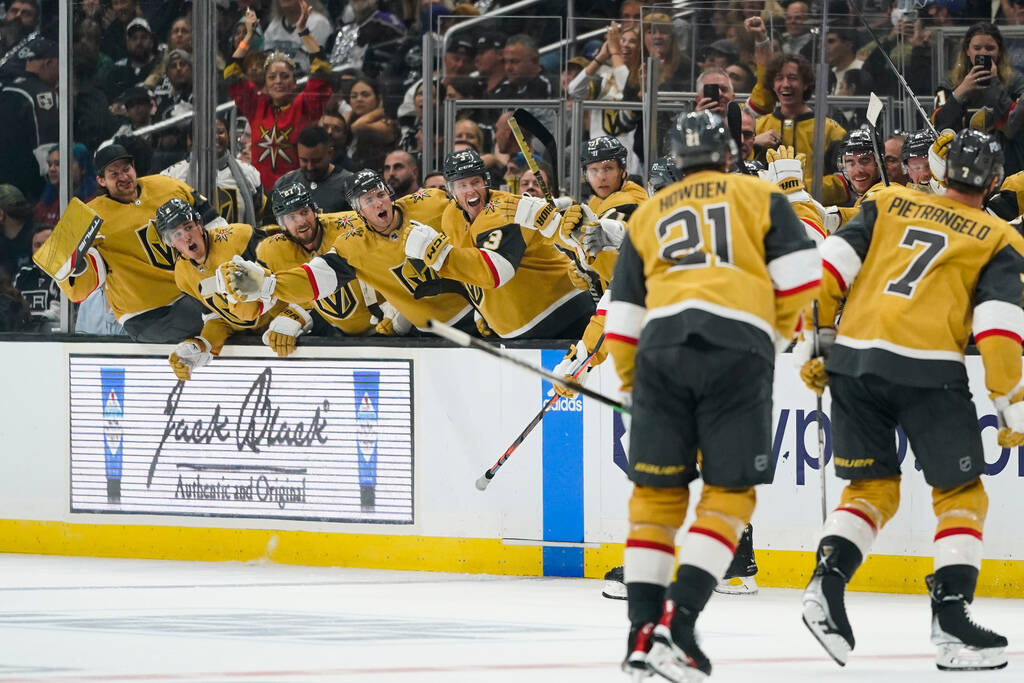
{"points": [[662, 173], [603, 148], [857, 141], [700, 139], [362, 182], [974, 159], [465, 163], [917, 144], [171, 214], [290, 197]]}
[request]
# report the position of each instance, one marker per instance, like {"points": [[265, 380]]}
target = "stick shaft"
{"points": [[821, 423], [517, 133]]}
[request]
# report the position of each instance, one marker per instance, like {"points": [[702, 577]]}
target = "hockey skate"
{"points": [[614, 584], [962, 644], [676, 655], [825, 610], [638, 647], [739, 577]]}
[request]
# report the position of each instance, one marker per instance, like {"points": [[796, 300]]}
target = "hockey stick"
{"points": [[530, 161], [531, 125], [874, 110], [462, 339], [486, 477], [734, 122], [821, 419]]}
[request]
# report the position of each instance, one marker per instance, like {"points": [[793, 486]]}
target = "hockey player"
{"points": [[130, 259], [498, 245], [200, 252], [305, 234], [368, 244], [915, 160], [661, 173], [915, 270], [712, 274]]}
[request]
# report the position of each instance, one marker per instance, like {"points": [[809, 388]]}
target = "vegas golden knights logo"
{"points": [[476, 294], [413, 275], [158, 253], [221, 305], [228, 204], [339, 305]]}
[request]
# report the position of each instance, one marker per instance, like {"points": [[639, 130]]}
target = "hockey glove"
{"points": [[577, 355], [937, 156], [1010, 409], [606, 233], [285, 329], [812, 367], [189, 355], [563, 203], [430, 246], [580, 279], [481, 325], [241, 280], [393, 324], [786, 169]]}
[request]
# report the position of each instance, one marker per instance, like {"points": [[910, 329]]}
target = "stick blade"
{"points": [[874, 109]]}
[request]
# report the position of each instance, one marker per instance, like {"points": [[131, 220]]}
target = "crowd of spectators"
{"points": [[324, 88]]}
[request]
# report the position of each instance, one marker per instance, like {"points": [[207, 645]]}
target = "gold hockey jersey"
{"points": [[516, 278], [717, 256], [128, 256], [618, 206], [346, 308], [918, 273]]}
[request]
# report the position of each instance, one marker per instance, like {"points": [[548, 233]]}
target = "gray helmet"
{"points": [[465, 163], [917, 144], [290, 197], [974, 159], [699, 139], [603, 148], [171, 214], [662, 173], [362, 182]]}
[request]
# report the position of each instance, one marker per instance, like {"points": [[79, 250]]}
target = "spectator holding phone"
{"points": [[714, 91], [981, 89]]}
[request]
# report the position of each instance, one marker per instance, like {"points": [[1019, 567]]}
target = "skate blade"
{"points": [[663, 660], [816, 621], [740, 585], [958, 657], [615, 590]]}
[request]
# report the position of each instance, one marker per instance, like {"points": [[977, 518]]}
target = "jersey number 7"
{"points": [[935, 244]]}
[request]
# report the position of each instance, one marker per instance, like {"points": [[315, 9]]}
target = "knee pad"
{"points": [[725, 511], [964, 507], [877, 499]]}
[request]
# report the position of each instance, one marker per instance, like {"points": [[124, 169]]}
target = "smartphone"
{"points": [[983, 61], [712, 91]]}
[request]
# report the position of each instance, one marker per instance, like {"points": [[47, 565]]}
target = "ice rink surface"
{"points": [[85, 619]]}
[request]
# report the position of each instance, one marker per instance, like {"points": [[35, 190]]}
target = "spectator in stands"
{"points": [[489, 63], [661, 43], [524, 78], [434, 181], [290, 21], [979, 97], [337, 127], [458, 58], [528, 180], [278, 115], [174, 93], [14, 313], [29, 118], [630, 14], [468, 131], [747, 133], [402, 172], [943, 12], [39, 290], [18, 27], [326, 182], [742, 77], [83, 183], [180, 35], [238, 35], [720, 54], [16, 228], [116, 21], [240, 197], [855, 82], [714, 76], [139, 62], [798, 39], [893, 159], [1013, 15], [138, 106], [374, 134], [841, 53]]}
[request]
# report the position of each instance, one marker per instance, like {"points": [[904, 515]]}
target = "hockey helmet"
{"points": [[603, 148], [917, 144], [362, 182], [465, 163], [662, 173], [171, 214], [857, 141], [699, 139], [290, 197], [974, 159]]}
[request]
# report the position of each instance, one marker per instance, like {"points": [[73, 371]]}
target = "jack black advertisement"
{"points": [[326, 440]]}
